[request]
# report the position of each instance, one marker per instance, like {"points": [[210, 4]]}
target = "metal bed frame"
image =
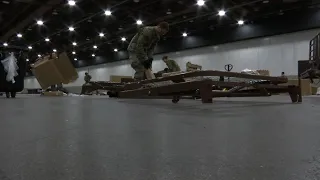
{"points": [[201, 88]]}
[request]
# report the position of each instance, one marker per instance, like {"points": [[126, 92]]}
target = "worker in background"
{"points": [[171, 64], [192, 67], [142, 46], [87, 78]]}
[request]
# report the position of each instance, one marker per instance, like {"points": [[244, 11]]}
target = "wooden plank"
{"points": [[217, 73]]}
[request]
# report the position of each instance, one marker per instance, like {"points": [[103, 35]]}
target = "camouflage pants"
{"points": [[137, 66]]}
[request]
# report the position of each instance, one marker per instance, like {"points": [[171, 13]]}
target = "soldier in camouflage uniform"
{"points": [[192, 67], [142, 46], [87, 78], [172, 65]]}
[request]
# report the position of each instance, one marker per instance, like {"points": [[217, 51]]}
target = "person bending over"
{"points": [[142, 46], [192, 67], [171, 64]]}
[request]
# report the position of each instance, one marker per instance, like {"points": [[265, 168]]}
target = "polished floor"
{"points": [[92, 138]]}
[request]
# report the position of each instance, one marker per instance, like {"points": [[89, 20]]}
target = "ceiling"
{"points": [[88, 19]]}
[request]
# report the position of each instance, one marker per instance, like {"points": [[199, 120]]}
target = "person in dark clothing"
{"points": [[87, 78]]}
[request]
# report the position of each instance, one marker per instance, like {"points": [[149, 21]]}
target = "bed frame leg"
{"points": [[206, 93], [294, 93]]}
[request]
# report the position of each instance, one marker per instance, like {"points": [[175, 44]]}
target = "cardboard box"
{"points": [[117, 79], [50, 71], [305, 85]]}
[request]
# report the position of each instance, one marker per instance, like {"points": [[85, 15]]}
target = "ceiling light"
{"points": [[71, 28], [5, 2], [184, 34], [139, 22], [93, 55], [73, 52], [101, 34], [74, 43], [75, 59], [39, 55], [5, 44], [27, 60], [222, 13], [115, 50], [107, 12], [71, 2], [200, 2], [54, 50], [95, 47], [47, 39], [29, 47], [19, 35], [266, 1], [240, 22], [123, 39], [40, 23]]}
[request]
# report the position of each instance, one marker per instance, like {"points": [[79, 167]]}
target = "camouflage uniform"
{"points": [[192, 67], [172, 65], [141, 49], [87, 78]]}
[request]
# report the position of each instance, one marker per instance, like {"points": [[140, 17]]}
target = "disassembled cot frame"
{"points": [[202, 88]]}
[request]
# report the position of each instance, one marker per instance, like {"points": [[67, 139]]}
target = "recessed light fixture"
{"points": [[71, 2], [200, 2], [184, 34], [39, 55], [27, 60], [29, 47], [73, 52], [123, 39], [74, 43], [222, 13], [5, 44], [115, 50], [139, 22], [54, 50], [40, 23], [47, 39], [93, 55], [95, 47], [240, 22], [75, 59], [107, 13], [19, 35], [101, 34], [71, 28]]}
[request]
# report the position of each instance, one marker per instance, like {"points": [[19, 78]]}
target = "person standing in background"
{"points": [[87, 78]]}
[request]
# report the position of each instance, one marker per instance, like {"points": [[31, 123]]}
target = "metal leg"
{"points": [[206, 93], [294, 93]]}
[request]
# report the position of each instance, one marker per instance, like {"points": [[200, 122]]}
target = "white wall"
{"points": [[276, 53]]}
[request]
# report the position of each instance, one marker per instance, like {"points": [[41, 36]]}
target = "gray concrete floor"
{"points": [[91, 138]]}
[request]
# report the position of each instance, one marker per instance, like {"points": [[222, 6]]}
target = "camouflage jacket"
{"points": [[173, 66], [144, 43], [87, 78], [192, 67]]}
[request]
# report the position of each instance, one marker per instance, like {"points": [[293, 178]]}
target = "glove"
{"points": [[147, 63]]}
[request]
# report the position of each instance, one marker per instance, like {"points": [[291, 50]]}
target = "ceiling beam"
{"points": [[29, 19]]}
